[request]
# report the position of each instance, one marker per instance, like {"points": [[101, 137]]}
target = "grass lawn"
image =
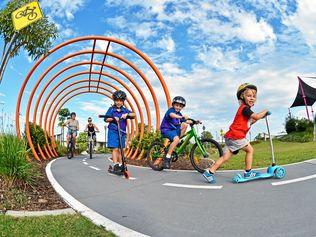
{"points": [[62, 225], [285, 153]]}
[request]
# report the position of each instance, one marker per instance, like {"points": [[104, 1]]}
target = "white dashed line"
{"points": [[294, 180], [85, 163], [95, 168], [192, 186]]}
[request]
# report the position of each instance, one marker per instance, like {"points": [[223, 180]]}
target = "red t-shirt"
{"points": [[241, 124]]}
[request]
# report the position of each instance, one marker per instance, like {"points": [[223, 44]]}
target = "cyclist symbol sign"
{"points": [[26, 15]]}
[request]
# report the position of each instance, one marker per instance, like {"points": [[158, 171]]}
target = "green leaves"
{"points": [[36, 39]]}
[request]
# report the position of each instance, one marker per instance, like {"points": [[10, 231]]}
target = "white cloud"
{"points": [[62, 8], [167, 43], [304, 19], [2, 94]]}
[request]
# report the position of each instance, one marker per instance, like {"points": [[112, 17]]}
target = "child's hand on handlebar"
{"points": [[185, 117], [124, 116]]}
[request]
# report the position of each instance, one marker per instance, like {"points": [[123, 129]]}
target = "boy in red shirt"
{"points": [[235, 138]]}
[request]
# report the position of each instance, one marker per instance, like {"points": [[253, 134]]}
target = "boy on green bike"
{"points": [[235, 138], [173, 126]]}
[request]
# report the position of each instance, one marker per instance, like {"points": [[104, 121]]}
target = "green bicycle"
{"points": [[201, 154]]}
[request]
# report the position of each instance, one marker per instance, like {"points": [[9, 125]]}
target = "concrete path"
{"points": [[180, 203]]}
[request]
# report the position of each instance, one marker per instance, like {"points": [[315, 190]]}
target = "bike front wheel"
{"points": [[69, 151], [90, 149], [155, 156], [201, 162]]}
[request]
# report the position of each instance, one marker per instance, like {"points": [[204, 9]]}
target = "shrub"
{"points": [[303, 125], [37, 135], [290, 125], [13, 163]]}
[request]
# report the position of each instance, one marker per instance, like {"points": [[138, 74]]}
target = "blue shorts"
{"points": [[171, 134], [113, 139]]}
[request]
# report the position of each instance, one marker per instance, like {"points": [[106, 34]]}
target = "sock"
{"points": [[247, 170], [168, 156]]}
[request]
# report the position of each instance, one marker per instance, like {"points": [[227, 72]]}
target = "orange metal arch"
{"points": [[51, 122], [93, 52]]}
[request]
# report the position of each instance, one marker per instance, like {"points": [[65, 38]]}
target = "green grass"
{"points": [[46, 226], [285, 153]]}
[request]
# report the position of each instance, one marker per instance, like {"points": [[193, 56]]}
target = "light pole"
{"points": [[2, 117]]}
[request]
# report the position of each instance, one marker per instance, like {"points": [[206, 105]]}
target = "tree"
{"points": [[36, 38], [63, 114], [206, 135]]}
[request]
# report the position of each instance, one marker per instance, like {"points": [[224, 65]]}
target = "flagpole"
{"points": [[304, 97]]}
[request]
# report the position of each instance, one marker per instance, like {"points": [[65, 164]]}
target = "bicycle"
{"points": [[90, 144], [27, 12], [200, 155], [71, 146]]}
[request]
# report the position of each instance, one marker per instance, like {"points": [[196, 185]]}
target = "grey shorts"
{"points": [[235, 145]]}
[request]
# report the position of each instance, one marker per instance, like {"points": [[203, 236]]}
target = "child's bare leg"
{"points": [[114, 155], [184, 127], [173, 144], [119, 157], [227, 155], [249, 156]]}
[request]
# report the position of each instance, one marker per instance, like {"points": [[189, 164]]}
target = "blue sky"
{"points": [[204, 50]]}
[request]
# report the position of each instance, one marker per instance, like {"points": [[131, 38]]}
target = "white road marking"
{"points": [[294, 180], [122, 176], [95, 168], [192, 186], [95, 217], [85, 163]]}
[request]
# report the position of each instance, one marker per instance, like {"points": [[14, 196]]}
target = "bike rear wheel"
{"points": [[155, 155], [214, 151]]}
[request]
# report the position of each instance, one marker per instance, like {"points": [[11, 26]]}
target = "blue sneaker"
{"points": [[251, 174], [209, 177]]}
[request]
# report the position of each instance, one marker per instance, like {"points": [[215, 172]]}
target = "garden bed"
{"points": [[38, 196]]}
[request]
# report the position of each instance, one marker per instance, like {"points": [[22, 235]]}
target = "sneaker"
{"points": [[166, 163], [209, 177], [251, 174]]}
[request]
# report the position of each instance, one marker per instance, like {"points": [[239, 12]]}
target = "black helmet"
{"points": [[243, 87], [89, 119], [179, 100], [72, 113], [119, 95]]}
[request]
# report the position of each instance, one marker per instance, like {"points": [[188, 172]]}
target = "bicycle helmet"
{"points": [[243, 87], [179, 100], [72, 113], [119, 95]]}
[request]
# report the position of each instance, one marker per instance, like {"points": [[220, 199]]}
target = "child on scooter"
{"points": [[173, 126], [235, 138], [120, 113]]}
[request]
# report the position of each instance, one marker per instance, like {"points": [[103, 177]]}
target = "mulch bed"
{"points": [[183, 163], [39, 196]]}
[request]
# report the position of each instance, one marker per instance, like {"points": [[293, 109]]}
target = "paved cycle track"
{"points": [[181, 203]]}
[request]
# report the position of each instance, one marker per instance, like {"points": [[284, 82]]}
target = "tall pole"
{"points": [[304, 97]]}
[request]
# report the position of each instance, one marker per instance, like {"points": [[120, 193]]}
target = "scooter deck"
{"points": [[241, 178]]}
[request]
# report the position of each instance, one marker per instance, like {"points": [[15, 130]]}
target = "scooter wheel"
{"points": [[237, 178], [126, 174], [280, 173]]}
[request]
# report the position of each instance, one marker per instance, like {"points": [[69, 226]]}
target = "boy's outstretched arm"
{"points": [[173, 115], [257, 116]]}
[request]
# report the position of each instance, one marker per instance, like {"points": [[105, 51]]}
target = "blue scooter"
{"points": [[272, 171]]}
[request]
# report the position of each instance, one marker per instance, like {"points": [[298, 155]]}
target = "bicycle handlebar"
{"points": [[194, 121]]}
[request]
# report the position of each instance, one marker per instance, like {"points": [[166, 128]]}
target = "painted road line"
{"points": [[95, 168], [85, 163], [192, 186], [95, 217], [122, 176], [294, 180]]}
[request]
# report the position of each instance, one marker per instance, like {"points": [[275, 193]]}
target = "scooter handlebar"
{"points": [[106, 117], [268, 113]]}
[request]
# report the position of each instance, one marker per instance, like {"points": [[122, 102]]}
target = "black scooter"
{"points": [[123, 169]]}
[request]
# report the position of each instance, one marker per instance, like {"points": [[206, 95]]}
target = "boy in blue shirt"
{"points": [[118, 111], [173, 126]]}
